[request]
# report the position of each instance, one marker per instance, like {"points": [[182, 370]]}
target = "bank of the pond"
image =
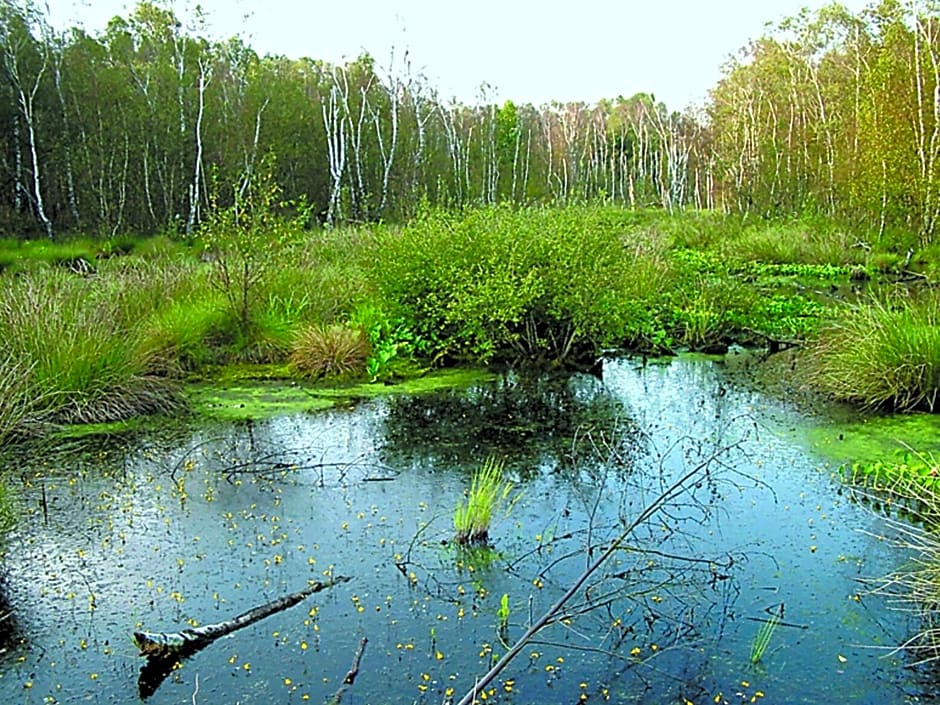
{"points": [[550, 287]]}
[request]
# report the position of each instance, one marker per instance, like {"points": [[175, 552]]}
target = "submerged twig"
{"points": [[350, 675], [666, 496]]}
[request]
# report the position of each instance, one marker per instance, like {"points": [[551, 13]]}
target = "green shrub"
{"points": [[544, 284], [882, 353]]}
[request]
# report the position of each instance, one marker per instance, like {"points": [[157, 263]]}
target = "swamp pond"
{"points": [[199, 521]]}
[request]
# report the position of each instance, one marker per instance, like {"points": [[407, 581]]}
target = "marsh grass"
{"points": [[79, 340], [329, 351], [489, 498], [16, 398], [765, 634], [883, 353], [793, 243], [912, 484]]}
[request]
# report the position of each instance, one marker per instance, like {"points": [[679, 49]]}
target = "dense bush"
{"points": [[542, 284]]}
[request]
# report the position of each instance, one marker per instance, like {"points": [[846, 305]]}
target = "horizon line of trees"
{"points": [[145, 126]]}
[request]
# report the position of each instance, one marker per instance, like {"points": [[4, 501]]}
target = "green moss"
{"points": [[249, 400], [253, 398], [85, 430], [877, 438]]}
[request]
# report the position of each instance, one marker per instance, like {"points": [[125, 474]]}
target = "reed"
{"points": [[488, 498], [764, 635]]}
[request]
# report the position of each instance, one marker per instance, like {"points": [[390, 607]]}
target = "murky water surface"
{"points": [[196, 524]]}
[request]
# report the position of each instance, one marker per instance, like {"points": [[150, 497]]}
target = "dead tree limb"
{"points": [[166, 649], [350, 676], [676, 489]]}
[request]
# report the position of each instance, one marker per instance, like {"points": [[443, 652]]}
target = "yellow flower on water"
{"points": [[449, 693], [635, 651]]}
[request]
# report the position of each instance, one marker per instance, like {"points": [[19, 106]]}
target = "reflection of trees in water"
{"points": [[12, 632], [527, 419]]}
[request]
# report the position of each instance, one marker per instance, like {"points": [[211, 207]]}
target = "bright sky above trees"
{"points": [[525, 50]]}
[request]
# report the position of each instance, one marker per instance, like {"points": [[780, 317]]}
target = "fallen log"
{"points": [[164, 650]]}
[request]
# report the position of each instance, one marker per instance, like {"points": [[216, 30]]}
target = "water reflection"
{"points": [[529, 419]]}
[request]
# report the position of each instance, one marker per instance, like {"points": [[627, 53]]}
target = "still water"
{"points": [[198, 522]]}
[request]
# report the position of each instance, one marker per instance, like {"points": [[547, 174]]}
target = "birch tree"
{"points": [[25, 62]]}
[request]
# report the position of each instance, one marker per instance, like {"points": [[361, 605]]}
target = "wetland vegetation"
{"points": [[243, 252]]}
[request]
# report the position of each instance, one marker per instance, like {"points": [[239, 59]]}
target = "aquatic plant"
{"points": [[489, 496], [502, 618], [329, 351], [912, 485], [882, 353], [764, 634]]}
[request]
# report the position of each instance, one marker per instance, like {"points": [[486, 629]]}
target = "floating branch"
{"points": [[350, 676], [165, 649]]}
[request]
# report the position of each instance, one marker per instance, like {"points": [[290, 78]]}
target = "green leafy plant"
{"points": [[488, 498], [502, 618], [764, 634]]}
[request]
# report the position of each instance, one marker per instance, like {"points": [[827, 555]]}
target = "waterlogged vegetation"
{"points": [[346, 309]]}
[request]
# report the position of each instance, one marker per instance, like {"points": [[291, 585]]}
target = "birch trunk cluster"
{"points": [[135, 128]]}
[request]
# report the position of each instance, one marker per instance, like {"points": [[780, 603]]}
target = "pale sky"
{"points": [[526, 51]]}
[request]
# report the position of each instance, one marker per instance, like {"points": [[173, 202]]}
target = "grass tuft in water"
{"points": [[764, 635], [489, 497]]}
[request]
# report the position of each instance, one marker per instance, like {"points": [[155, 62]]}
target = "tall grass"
{"points": [[16, 395], [797, 242], [80, 341], [488, 498], [883, 353]]}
